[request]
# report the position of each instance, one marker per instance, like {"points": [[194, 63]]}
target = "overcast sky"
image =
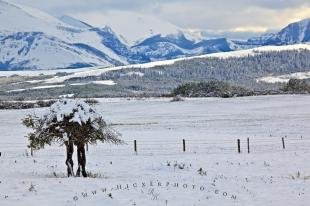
{"points": [[241, 16]]}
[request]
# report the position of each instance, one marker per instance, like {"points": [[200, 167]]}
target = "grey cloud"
{"points": [[199, 14], [61, 5], [129, 5]]}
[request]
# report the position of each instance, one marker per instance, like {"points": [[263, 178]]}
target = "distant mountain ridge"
{"points": [[294, 33], [33, 40]]}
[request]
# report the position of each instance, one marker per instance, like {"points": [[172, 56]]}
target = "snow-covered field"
{"points": [[161, 173]]}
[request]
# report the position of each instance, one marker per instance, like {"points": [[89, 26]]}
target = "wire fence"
{"points": [[175, 146]]}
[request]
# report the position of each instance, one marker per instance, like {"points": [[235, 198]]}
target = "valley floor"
{"points": [[209, 172]]}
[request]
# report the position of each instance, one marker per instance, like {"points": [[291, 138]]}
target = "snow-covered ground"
{"points": [[285, 78], [100, 82], [36, 88], [161, 173]]}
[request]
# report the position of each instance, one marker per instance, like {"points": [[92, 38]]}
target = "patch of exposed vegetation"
{"points": [[211, 88], [25, 105], [297, 86]]}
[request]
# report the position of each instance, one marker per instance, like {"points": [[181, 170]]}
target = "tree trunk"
{"points": [[81, 160], [69, 161]]}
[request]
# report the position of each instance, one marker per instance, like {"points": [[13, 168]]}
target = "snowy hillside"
{"points": [[258, 50], [19, 18], [242, 68], [36, 50], [74, 22], [242, 53]]}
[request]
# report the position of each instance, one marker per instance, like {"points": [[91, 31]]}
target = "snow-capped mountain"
{"points": [[293, 33], [36, 50], [298, 32], [32, 39], [175, 46], [160, 47], [134, 30]]}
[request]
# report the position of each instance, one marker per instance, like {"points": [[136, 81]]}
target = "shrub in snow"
{"points": [[32, 188], [70, 122], [297, 86], [91, 101]]}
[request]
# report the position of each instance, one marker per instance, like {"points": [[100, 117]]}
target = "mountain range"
{"points": [[33, 40]]}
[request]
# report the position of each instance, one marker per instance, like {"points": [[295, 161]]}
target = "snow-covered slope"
{"points": [[236, 54], [16, 18], [74, 22], [36, 50], [258, 50]]}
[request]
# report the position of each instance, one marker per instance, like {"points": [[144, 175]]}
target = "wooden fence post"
{"points": [[248, 141], [31, 151], [184, 146], [283, 143], [239, 148], [135, 145]]}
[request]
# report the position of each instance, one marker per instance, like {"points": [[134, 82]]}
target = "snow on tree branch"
{"points": [[69, 120]]}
